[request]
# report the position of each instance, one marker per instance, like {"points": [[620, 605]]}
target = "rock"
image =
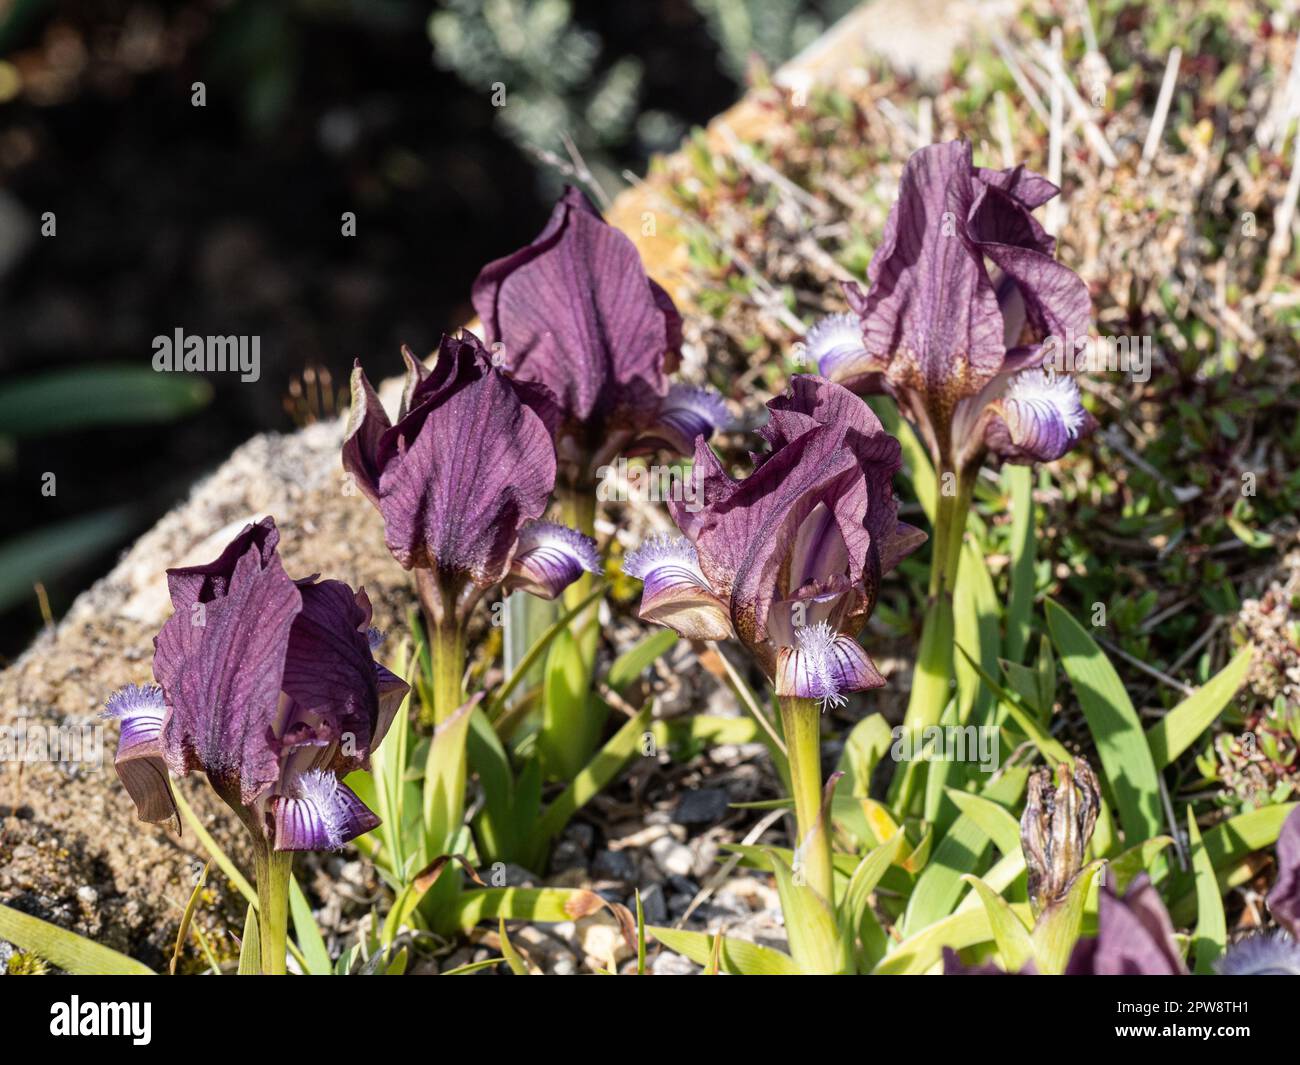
{"points": [[602, 940], [613, 865], [672, 858], [702, 806], [667, 963], [653, 904]]}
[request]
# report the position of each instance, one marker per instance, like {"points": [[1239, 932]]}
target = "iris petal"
{"points": [[139, 762], [687, 412], [823, 665], [1038, 419], [676, 592], [549, 558], [321, 813]]}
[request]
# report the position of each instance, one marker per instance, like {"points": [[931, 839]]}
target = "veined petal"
{"points": [[1038, 419], [220, 659], [823, 665], [549, 558], [1284, 898], [466, 467], [366, 426], [676, 592], [687, 412], [141, 710], [321, 813], [576, 312], [834, 346]]}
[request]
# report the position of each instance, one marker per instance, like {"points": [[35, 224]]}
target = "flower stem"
{"points": [[272, 869], [801, 723], [932, 678]]}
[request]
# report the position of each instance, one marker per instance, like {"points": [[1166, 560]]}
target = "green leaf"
{"points": [[738, 956], [961, 851], [597, 774], [815, 940], [994, 820], [523, 904], [1211, 924], [1009, 933], [633, 662], [85, 397], [875, 863], [67, 950], [572, 714], [1177, 730], [498, 702], [1227, 844], [517, 964], [1116, 730], [1139, 859], [52, 550], [1053, 750], [250, 951], [1059, 925], [1020, 607], [921, 952], [307, 932]]}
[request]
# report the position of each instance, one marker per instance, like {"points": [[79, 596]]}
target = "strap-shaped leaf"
{"points": [[1177, 730], [69, 951], [1211, 924], [736, 956], [1010, 934], [1126, 759]]}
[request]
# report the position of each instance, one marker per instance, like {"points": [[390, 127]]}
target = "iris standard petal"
{"points": [[575, 311], [220, 660], [676, 592], [471, 463], [549, 558]]}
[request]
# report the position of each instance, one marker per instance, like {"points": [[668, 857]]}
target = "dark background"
{"points": [[225, 219]]}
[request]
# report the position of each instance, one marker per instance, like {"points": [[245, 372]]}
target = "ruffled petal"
{"points": [[141, 711], [320, 813], [823, 665], [676, 592], [549, 558]]}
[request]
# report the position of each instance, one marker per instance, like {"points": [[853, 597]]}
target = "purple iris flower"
{"points": [[964, 295], [269, 687], [789, 559], [1135, 936], [462, 477], [575, 312]]}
